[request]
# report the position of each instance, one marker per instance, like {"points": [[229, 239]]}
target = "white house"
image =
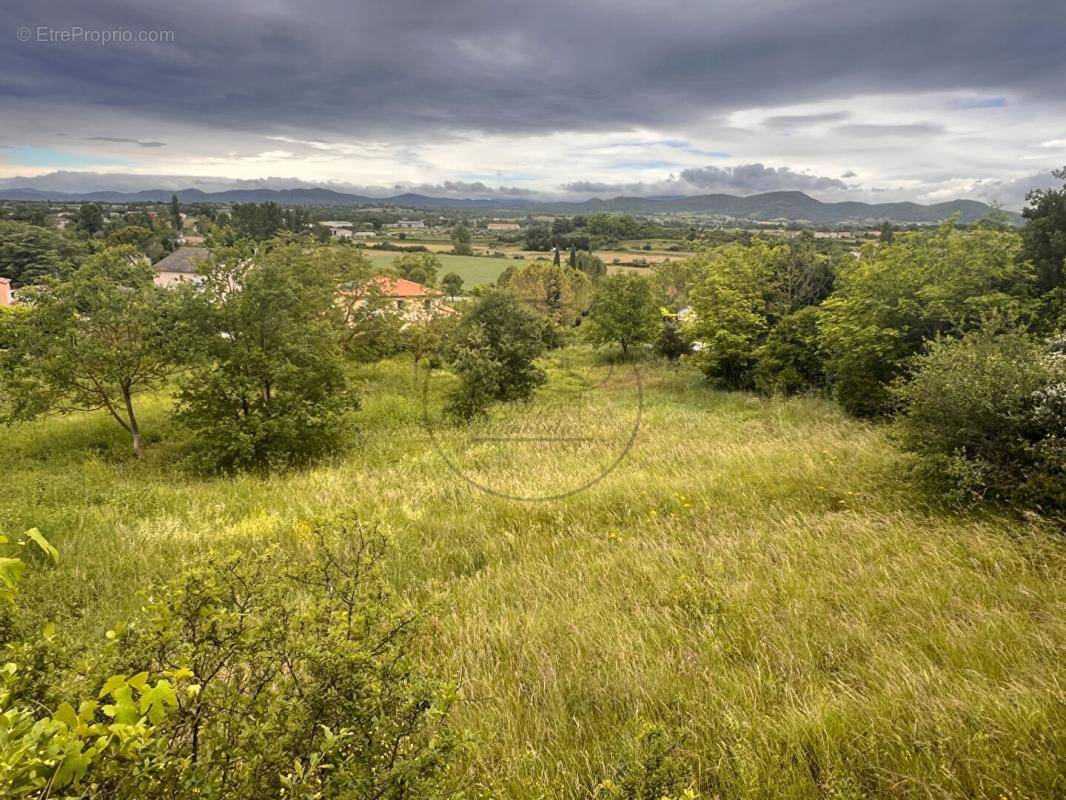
{"points": [[407, 223]]}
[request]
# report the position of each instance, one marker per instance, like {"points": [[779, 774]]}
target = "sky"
{"points": [[842, 99]]}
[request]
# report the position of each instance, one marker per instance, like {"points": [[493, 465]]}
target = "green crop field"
{"points": [[475, 270], [756, 575]]}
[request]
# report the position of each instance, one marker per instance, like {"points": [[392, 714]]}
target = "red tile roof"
{"points": [[401, 287]]}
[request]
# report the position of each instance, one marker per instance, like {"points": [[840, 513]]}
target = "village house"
{"points": [[340, 233], [180, 266], [406, 223], [5, 293], [414, 302], [503, 226], [365, 234]]}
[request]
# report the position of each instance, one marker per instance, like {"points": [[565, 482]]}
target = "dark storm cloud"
{"points": [[743, 179], [413, 67], [124, 141], [753, 178]]}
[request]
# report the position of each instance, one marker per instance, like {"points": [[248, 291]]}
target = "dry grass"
{"points": [[756, 575]]}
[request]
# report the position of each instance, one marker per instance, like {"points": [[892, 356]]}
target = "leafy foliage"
{"points": [[622, 312], [304, 681], [418, 267], [493, 352], [559, 293], [921, 286], [30, 254], [452, 284], [986, 416], [93, 341], [268, 385], [727, 304], [650, 771], [1044, 238], [790, 359]]}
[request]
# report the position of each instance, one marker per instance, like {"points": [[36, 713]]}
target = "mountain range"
{"points": [[770, 206]]}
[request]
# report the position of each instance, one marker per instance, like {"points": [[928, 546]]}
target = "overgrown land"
{"points": [[755, 577]]}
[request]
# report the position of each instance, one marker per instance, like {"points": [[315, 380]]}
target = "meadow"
{"points": [[474, 270], [756, 575]]}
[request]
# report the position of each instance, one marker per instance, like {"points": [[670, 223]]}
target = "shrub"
{"points": [[649, 770], [493, 351], [671, 343], [304, 673], [986, 417], [789, 360]]}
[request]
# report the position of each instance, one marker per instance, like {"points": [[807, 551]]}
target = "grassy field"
{"points": [[756, 575], [475, 270]]}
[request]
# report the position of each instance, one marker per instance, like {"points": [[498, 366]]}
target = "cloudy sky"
{"points": [[843, 99]]}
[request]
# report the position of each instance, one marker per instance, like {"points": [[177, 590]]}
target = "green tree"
{"points": [[418, 267], [269, 388], [558, 292], [728, 318], [91, 342], [461, 240], [452, 283], [426, 338], [623, 311], [493, 351], [896, 297], [789, 359], [29, 254], [90, 218], [1044, 243], [888, 233], [589, 264], [175, 213]]}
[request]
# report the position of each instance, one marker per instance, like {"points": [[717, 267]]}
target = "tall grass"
{"points": [[756, 575]]}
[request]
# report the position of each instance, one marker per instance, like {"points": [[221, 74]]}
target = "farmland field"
{"points": [[475, 270], [756, 575]]}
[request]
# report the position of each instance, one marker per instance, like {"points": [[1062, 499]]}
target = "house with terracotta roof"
{"points": [[5, 293], [412, 301]]}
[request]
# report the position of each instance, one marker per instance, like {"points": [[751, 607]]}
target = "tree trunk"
{"points": [[135, 429]]}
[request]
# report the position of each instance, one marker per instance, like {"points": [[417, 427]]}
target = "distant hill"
{"points": [[791, 206], [788, 206]]}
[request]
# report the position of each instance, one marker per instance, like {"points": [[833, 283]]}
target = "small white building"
{"points": [[503, 226], [340, 233], [407, 223]]}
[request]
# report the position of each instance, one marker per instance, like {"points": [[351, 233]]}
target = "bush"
{"points": [[790, 361], [650, 770], [251, 675], [986, 417], [493, 351], [671, 344]]}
